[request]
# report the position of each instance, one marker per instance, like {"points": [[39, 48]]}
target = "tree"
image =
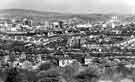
{"points": [[88, 75], [45, 66], [12, 73]]}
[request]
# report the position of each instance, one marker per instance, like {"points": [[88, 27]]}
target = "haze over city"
{"points": [[73, 6]]}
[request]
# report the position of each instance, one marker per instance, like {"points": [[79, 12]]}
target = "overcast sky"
{"points": [[73, 6]]}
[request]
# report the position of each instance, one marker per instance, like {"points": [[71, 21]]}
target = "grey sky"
{"points": [[74, 6]]}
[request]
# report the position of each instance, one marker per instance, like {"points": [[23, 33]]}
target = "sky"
{"points": [[73, 6]]}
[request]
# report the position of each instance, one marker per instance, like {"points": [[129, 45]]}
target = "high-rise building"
{"points": [[114, 21]]}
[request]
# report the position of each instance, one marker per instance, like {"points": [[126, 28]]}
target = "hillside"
{"points": [[38, 15]]}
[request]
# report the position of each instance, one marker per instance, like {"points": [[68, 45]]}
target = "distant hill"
{"points": [[26, 12], [38, 15]]}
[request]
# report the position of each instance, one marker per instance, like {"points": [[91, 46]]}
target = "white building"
{"points": [[88, 60], [83, 25], [66, 62]]}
